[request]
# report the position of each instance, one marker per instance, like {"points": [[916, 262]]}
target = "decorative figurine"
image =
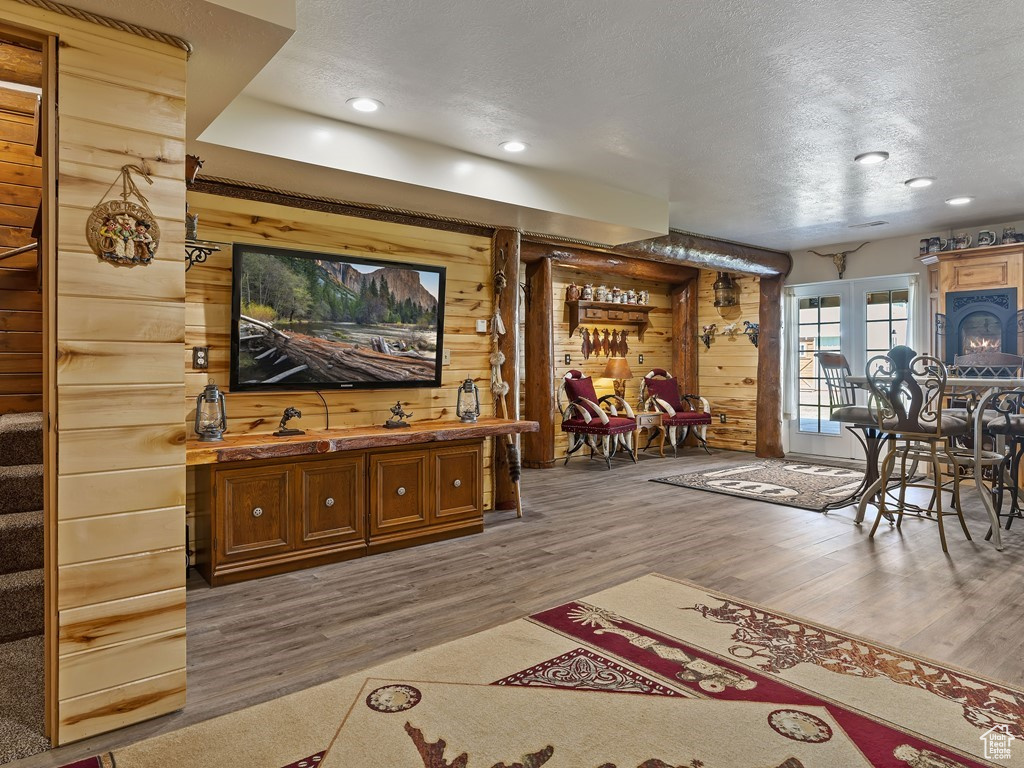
{"points": [[962, 241], [614, 346], [615, 294], [601, 293], [606, 343], [623, 344], [572, 292], [283, 430], [397, 417], [630, 296], [1009, 235], [643, 297], [751, 331], [985, 237], [708, 335], [588, 292], [585, 348]]}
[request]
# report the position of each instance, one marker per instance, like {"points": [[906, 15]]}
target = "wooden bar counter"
{"points": [[268, 504]]}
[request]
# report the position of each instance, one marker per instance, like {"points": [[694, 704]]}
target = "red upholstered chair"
{"points": [[660, 391], [587, 423]]}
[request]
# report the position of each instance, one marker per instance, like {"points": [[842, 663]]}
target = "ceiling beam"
{"points": [[707, 253], [606, 261]]}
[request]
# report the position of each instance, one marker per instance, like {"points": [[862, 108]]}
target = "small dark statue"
{"points": [[398, 417], [283, 430]]}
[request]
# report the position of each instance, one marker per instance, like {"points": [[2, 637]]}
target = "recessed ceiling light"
{"points": [[363, 104], [920, 181], [870, 158], [513, 146], [962, 200]]}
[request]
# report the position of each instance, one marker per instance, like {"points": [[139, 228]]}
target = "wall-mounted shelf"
{"points": [[584, 312], [198, 251]]}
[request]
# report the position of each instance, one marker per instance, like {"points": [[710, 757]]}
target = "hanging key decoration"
{"points": [[124, 231]]}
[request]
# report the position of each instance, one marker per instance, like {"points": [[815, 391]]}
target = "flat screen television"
{"points": [[309, 321]]}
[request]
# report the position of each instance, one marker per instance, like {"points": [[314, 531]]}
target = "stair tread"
{"points": [[21, 519], [22, 420], [21, 579]]}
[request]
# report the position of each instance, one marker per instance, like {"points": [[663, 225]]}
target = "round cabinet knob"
{"points": [[257, 512], [329, 502], [401, 491], [457, 483]]}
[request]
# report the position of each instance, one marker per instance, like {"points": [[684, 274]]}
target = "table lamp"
{"points": [[618, 369]]}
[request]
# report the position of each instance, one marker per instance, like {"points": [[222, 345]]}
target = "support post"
{"points": [[539, 447], [684, 340], [769, 370], [505, 258]]}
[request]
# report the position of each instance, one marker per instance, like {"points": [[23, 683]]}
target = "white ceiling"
{"points": [[742, 115]]}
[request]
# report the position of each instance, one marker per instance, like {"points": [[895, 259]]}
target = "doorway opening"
{"points": [[23, 604]]}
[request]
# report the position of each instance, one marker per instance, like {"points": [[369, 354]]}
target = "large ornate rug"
{"points": [[653, 673], [790, 483]]}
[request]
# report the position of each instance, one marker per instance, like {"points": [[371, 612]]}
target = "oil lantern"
{"points": [[211, 415], [726, 290], [467, 408]]}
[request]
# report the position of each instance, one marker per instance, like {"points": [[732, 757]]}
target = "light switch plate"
{"points": [[481, 326], [446, 357], [200, 358]]}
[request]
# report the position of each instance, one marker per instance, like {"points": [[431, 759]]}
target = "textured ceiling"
{"points": [[744, 114]]}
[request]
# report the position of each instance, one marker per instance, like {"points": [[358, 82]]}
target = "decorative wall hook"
{"points": [[751, 331], [708, 335]]}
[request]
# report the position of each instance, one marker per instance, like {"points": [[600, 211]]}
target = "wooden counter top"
{"points": [[266, 446]]}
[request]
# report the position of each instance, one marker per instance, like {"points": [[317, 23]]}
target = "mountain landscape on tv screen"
{"points": [[328, 322]]}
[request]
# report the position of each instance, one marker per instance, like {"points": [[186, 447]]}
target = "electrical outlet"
{"points": [[446, 357], [568, 359], [722, 418], [481, 326], [640, 358], [200, 358]]}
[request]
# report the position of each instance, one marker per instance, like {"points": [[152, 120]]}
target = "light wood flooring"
{"points": [[587, 528]]}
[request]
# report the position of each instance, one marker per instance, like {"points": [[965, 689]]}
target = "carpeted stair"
{"points": [[21, 586]]}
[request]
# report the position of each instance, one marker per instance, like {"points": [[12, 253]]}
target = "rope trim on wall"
{"points": [[106, 21]]}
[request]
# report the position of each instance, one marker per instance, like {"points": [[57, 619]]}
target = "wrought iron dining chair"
{"points": [[907, 401], [1007, 421]]}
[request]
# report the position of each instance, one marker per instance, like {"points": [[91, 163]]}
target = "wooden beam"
{"points": [[684, 335], [708, 253], [505, 258], [602, 262], [21, 65], [539, 447], [769, 370]]}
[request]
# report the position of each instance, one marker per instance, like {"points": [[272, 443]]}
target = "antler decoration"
{"points": [[839, 259]]}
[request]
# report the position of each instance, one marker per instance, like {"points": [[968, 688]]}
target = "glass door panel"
{"points": [[818, 331]]}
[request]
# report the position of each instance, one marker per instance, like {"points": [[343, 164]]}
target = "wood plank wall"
{"points": [[728, 370], [468, 297], [21, 341], [120, 575], [656, 346]]}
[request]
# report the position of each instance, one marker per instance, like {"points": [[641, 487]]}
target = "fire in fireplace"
{"points": [[978, 321]]}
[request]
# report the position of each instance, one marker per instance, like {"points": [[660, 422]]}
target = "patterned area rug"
{"points": [[653, 673], [790, 483]]}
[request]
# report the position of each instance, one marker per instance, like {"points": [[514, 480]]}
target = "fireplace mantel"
{"points": [[978, 269]]}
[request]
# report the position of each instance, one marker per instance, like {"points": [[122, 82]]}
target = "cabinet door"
{"points": [[399, 492], [330, 508], [457, 483], [254, 517]]}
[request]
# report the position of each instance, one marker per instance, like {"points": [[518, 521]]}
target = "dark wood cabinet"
{"points": [[255, 522], [458, 484], [399, 491], [276, 515], [330, 502]]}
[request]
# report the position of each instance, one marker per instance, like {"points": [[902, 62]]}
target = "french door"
{"points": [[861, 319]]}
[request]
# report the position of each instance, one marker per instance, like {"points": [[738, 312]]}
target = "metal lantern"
{"points": [[726, 291], [468, 406], [211, 415]]}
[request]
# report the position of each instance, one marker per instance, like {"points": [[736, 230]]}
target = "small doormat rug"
{"points": [[653, 673], [790, 483]]}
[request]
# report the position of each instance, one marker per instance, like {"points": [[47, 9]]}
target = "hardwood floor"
{"points": [[587, 528]]}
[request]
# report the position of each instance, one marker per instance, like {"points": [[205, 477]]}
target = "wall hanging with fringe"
{"points": [[123, 231]]}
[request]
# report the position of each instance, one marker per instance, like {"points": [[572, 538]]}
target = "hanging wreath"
{"points": [[123, 231]]}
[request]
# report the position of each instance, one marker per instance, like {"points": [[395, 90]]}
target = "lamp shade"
{"points": [[617, 368]]}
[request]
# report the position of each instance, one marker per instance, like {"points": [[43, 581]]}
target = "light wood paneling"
{"points": [[119, 382], [728, 371], [468, 297]]}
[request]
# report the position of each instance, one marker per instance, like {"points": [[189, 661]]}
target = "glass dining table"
{"points": [[987, 388]]}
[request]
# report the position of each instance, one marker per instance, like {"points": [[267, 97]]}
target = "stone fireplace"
{"points": [[980, 321]]}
